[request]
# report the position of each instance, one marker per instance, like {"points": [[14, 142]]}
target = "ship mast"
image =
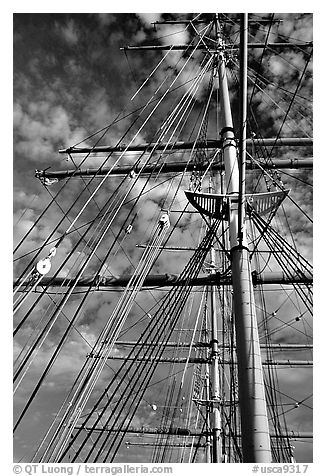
{"points": [[254, 422], [215, 417]]}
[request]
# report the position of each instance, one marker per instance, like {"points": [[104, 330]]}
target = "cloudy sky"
{"points": [[70, 80]]}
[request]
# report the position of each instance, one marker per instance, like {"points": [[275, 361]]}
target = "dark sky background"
{"points": [[70, 79]]}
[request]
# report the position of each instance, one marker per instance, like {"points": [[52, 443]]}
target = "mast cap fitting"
{"points": [[226, 129]]}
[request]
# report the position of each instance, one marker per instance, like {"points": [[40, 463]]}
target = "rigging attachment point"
{"points": [[52, 252], [164, 220], [40, 174], [43, 266]]}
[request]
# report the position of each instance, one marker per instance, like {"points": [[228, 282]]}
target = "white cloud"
{"points": [[70, 33], [149, 18]]}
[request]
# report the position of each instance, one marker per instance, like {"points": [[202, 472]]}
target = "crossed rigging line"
{"points": [[169, 299], [69, 231]]}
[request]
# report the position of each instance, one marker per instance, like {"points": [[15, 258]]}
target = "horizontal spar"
{"points": [[278, 45], [161, 280], [181, 431], [178, 345], [162, 360], [290, 434], [225, 20], [200, 360], [171, 167], [147, 430], [167, 445], [207, 144]]}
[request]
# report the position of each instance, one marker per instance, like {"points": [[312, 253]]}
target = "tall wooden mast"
{"points": [[255, 435], [254, 423]]}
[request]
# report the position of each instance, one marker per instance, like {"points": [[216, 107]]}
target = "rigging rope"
{"points": [[175, 298], [107, 339]]}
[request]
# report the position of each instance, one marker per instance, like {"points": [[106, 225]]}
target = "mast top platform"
{"points": [[216, 205]]}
